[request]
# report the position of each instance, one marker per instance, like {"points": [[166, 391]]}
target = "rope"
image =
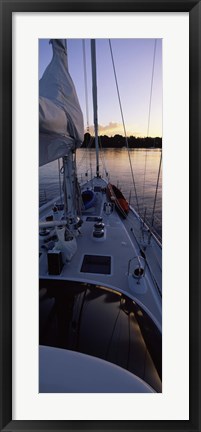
{"points": [[85, 83], [152, 79], [102, 155], [149, 114], [59, 169], [124, 127], [85, 153], [159, 170]]}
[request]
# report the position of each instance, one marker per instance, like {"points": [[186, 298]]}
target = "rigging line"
{"points": [[149, 114], [102, 155], [87, 156], [59, 169], [152, 230], [85, 152], [147, 263], [83, 162], [152, 80], [90, 163], [124, 127], [85, 83], [157, 184]]}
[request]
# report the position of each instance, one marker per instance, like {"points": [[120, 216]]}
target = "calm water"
{"points": [[116, 163]]}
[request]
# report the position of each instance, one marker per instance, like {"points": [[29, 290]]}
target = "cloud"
{"points": [[111, 126], [111, 129]]}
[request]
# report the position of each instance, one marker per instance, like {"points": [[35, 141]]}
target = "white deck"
{"points": [[122, 241]]}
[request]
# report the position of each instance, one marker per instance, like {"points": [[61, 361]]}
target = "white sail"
{"points": [[60, 117]]}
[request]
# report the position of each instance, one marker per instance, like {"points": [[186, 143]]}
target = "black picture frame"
{"points": [[6, 10]]}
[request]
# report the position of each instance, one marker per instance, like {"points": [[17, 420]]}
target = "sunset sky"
{"points": [[133, 60]]}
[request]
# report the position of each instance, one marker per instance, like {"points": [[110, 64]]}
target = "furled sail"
{"points": [[60, 117]]}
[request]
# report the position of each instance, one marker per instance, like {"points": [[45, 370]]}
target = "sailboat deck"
{"points": [[115, 258], [114, 242]]}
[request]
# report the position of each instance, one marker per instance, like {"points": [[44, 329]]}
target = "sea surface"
{"points": [[115, 162]]}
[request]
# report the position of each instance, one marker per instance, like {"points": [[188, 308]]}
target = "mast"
{"points": [[95, 105]]}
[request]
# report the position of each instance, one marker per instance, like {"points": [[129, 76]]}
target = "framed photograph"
{"points": [[96, 313]]}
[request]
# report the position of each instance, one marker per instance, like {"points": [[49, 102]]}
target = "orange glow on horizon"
{"points": [[118, 130]]}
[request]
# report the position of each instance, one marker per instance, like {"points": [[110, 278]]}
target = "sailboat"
{"points": [[100, 264]]}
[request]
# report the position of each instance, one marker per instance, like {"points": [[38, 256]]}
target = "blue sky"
{"points": [[133, 62]]}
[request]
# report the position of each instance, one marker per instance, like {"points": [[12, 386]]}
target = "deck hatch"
{"points": [[99, 264], [94, 219]]}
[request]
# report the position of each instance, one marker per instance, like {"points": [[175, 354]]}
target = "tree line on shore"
{"points": [[118, 141]]}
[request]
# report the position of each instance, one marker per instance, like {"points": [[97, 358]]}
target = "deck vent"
{"points": [[96, 264], [97, 189], [138, 272]]}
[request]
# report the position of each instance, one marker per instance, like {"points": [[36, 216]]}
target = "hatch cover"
{"points": [[99, 264]]}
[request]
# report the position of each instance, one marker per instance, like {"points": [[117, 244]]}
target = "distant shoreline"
{"points": [[118, 141]]}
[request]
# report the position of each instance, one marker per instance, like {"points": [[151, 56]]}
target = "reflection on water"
{"points": [[116, 163]]}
